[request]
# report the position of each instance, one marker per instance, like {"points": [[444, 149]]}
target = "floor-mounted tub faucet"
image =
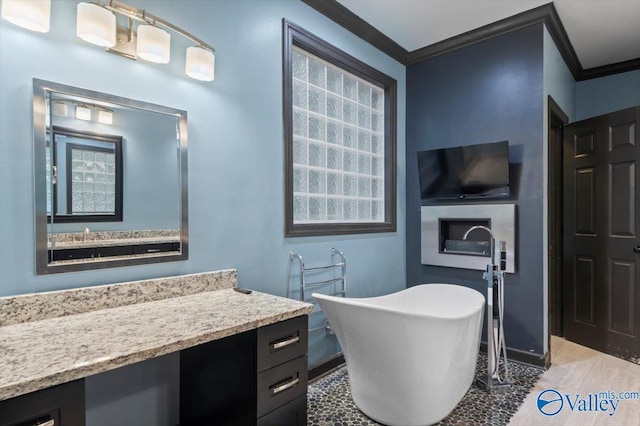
{"points": [[494, 274]]}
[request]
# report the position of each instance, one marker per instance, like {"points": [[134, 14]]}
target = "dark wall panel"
{"points": [[490, 91]]}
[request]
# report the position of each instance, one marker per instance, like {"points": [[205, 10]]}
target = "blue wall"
{"points": [[490, 91], [558, 80], [236, 200], [607, 94]]}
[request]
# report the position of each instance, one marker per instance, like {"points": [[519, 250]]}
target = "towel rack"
{"points": [[339, 282]]}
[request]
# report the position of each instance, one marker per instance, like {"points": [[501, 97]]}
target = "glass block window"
{"points": [[87, 183], [93, 182], [340, 140], [338, 157]]}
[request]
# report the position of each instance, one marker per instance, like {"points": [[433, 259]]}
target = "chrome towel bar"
{"points": [[339, 281]]}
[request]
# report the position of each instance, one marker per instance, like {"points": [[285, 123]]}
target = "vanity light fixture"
{"points": [[151, 42], [105, 116], [83, 112], [33, 15], [96, 25]]}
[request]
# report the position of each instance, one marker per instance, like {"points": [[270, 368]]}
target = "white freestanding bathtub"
{"points": [[411, 355]]}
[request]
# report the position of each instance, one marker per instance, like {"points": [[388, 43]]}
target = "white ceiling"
{"points": [[602, 32]]}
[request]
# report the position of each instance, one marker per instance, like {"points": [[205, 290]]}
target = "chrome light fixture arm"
{"points": [[141, 15], [97, 24]]}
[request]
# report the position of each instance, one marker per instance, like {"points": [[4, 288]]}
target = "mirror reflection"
{"points": [[110, 180], [84, 174]]}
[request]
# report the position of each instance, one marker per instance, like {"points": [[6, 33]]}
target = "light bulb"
{"points": [[60, 109], [200, 64], [154, 44], [96, 25], [105, 117], [83, 113], [34, 15]]}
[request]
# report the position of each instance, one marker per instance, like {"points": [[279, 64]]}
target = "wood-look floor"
{"points": [[575, 370]]}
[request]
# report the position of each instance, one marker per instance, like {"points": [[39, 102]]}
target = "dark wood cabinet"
{"points": [[110, 251], [282, 342], [71, 254], [113, 251], [154, 248], [61, 405], [292, 414], [256, 377], [282, 372]]}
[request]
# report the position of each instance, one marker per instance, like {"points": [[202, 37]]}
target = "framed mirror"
{"points": [[110, 180]]}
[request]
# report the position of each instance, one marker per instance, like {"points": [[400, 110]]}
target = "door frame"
{"points": [[556, 120]]}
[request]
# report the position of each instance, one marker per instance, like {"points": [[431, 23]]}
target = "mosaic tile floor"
{"points": [[330, 403]]}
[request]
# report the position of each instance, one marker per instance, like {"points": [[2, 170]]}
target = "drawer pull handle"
{"points": [[151, 250], [47, 423], [283, 343], [288, 385]]}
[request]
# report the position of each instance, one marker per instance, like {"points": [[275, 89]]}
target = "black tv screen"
{"points": [[465, 171]]}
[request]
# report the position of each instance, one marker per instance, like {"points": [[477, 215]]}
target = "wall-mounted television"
{"points": [[472, 171]]}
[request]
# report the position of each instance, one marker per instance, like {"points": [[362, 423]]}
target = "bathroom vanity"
{"points": [[242, 356]]}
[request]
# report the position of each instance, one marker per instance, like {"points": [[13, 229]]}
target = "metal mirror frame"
{"points": [[43, 267]]}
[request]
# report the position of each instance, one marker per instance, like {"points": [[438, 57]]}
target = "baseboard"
{"points": [[523, 356], [326, 366]]}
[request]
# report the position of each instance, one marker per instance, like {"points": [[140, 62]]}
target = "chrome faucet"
{"points": [[492, 274], [491, 243]]}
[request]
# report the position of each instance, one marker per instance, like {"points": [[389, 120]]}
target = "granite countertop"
{"points": [[115, 242], [38, 354]]}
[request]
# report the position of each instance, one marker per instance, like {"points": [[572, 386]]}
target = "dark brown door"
{"points": [[602, 233]]}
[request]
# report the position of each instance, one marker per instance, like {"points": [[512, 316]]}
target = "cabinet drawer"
{"points": [[70, 254], [113, 251], [153, 248], [281, 384], [61, 405], [293, 413], [281, 342]]}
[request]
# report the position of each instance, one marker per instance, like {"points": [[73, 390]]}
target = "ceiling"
{"points": [[602, 32]]}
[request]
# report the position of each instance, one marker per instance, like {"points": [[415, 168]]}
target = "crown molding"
{"points": [[545, 14], [542, 14], [358, 26], [605, 70]]}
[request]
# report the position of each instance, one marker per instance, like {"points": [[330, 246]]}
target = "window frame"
{"points": [[117, 215], [294, 35]]}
